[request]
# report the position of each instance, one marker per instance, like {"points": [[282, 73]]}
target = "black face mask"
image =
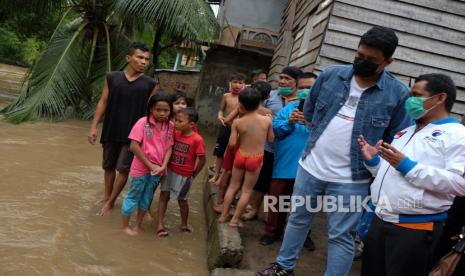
{"points": [[364, 68]]}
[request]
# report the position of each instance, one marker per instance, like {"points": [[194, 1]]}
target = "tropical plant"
{"points": [[173, 21], [90, 40], [70, 70]]}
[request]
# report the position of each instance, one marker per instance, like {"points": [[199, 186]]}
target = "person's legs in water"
{"points": [[162, 206], [234, 186], [120, 182], [250, 178], [109, 160], [184, 211], [123, 164], [109, 179], [147, 197], [131, 202]]}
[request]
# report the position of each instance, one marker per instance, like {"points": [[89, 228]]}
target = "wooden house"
{"points": [[315, 34]]}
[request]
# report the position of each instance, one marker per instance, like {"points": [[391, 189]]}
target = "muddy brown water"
{"points": [[50, 179]]}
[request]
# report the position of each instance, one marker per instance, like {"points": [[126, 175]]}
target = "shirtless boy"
{"points": [[264, 89], [229, 103], [251, 131]]}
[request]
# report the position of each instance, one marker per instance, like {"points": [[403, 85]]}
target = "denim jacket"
{"points": [[380, 111]]}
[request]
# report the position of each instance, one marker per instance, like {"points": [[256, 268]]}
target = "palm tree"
{"points": [[90, 40], [174, 20]]}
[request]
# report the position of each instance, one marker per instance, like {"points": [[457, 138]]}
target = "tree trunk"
{"points": [[155, 49]]}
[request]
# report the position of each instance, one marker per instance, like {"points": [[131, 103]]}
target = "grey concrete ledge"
{"points": [[224, 244]]}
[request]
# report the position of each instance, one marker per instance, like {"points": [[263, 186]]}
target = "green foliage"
{"points": [[24, 35], [31, 49], [9, 46]]}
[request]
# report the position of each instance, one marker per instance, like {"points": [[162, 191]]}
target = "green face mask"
{"points": [[414, 107], [284, 91], [302, 93]]}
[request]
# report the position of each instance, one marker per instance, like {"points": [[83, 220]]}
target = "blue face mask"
{"points": [[284, 91], [302, 93]]}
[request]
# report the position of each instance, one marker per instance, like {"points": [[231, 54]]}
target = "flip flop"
{"points": [[162, 233]]}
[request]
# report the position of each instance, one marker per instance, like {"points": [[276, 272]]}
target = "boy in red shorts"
{"points": [[251, 131]]}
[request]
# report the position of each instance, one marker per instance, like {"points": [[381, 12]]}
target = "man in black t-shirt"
{"points": [[123, 101]]}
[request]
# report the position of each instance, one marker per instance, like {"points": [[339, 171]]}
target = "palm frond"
{"points": [[189, 19], [118, 43]]}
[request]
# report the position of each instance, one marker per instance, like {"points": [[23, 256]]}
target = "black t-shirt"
{"points": [[127, 102]]}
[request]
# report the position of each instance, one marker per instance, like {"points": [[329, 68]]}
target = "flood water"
{"points": [[50, 179]]}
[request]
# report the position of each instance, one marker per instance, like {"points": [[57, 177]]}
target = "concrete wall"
{"points": [[168, 81], [221, 62]]}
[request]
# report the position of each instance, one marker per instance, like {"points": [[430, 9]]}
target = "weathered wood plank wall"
{"points": [[301, 35], [431, 37]]}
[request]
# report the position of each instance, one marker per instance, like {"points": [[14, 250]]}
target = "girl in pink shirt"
{"points": [[152, 138]]}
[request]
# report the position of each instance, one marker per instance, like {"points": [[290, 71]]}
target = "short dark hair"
{"points": [[249, 98], [381, 38], [440, 83], [137, 46], [263, 88], [257, 72], [237, 76], [178, 95], [307, 75], [191, 113]]}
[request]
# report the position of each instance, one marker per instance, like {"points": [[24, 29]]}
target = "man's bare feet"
{"points": [[148, 217], [236, 224], [106, 209], [218, 208], [250, 215], [129, 231]]}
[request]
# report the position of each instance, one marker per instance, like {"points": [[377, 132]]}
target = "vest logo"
{"points": [[437, 133], [399, 134]]}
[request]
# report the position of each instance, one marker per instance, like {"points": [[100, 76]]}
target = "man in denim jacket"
{"points": [[344, 103]]}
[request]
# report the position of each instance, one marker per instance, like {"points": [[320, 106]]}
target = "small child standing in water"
{"points": [[251, 131], [187, 161], [152, 138]]}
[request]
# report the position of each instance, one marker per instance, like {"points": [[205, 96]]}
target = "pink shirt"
{"points": [[154, 144]]}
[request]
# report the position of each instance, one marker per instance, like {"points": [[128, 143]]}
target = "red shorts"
{"points": [[248, 162], [229, 155]]}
